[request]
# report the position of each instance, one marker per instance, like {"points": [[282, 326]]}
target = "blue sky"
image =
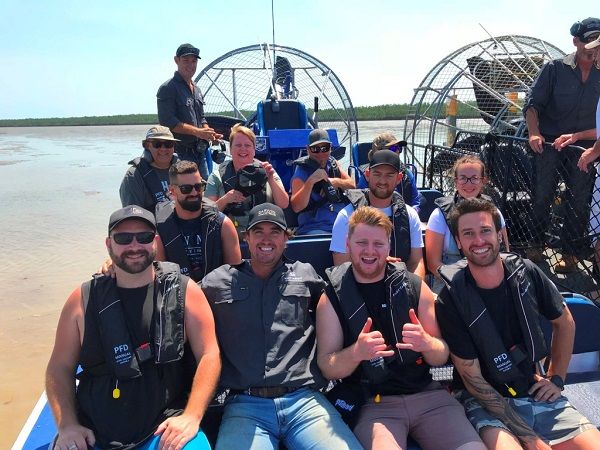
{"points": [[65, 58]]}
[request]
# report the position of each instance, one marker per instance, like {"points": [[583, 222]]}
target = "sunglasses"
{"points": [[187, 188], [165, 144], [126, 238], [396, 148], [320, 148]]}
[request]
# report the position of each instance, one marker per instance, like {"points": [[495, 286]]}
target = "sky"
{"points": [[66, 58]]}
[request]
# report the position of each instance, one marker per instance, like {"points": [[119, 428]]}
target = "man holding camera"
{"points": [[244, 182], [317, 186]]}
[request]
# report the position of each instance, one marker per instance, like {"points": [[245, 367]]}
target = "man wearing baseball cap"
{"points": [[559, 112], [406, 242], [181, 108], [317, 186], [262, 309], [130, 336], [146, 181]]}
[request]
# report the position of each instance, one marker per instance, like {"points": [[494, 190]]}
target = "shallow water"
{"points": [[59, 185]]}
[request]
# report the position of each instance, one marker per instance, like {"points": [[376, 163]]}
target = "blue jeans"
{"points": [[303, 419]]}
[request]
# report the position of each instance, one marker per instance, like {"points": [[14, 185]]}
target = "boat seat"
{"points": [[280, 115], [428, 203]]}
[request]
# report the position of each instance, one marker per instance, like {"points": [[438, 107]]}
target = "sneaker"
{"points": [[566, 264], [534, 254]]}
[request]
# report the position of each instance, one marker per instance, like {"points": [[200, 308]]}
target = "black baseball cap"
{"points": [[267, 212], [131, 212], [585, 28], [187, 49], [318, 136], [382, 157]]}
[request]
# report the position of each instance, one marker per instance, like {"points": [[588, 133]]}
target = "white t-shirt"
{"points": [[438, 224], [340, 228]]}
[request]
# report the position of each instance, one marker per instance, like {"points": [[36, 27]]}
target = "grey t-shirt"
{"points": [[133, 190]]}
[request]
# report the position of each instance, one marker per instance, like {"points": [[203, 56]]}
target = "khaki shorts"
{"points": [[554, 422], [433, 418]]}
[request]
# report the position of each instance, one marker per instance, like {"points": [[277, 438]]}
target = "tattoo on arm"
{"points": [[492, 401]]}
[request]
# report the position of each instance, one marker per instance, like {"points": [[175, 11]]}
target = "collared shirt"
{"points": [[265, 328], [565, 104], [178, 104]]}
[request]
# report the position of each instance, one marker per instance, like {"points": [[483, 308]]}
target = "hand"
{"points": [[414, 337], [107, 268], [269, 169], [177, 431], [536, 444], [564, 140], [370, 344], [393, 259], [536, 142], [316, 176], [544, 390], [208, 134], [74, 435], [586, 158], [234, 196]]}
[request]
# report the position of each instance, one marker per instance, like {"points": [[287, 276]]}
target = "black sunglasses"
{"points": [[320, 148], [187, 188], [165, 144], [126, 238]]}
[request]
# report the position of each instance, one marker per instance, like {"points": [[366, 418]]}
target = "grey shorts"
{"points": [[554, 422]]}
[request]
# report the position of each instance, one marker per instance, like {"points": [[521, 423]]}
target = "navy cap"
{"points": [[267, 212], [318, 136], [187, 49], [585, 28], [388, 158], [131, 212]]}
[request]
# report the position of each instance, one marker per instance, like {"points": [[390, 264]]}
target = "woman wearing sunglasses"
{"points": [[223, 186], [146, 181], [440, 246]]}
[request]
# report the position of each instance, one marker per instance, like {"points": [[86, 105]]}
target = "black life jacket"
{"points": [[121, 358], [211, 221], [447, 203], [492, 352], [400, 238], [229, 178], [333, 171], [151, 180], [401, 298]]}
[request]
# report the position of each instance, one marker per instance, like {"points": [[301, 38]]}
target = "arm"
{"points": [[536, 140], [230, 243], [423, 334], [344, 181], [280, 196], [340, 258], [415, 262], [589, 156], [133, 190], [505, 239], [301, 190], [161, 254], [204, 132], [434, 245], [335, 361], [571, 138], [216, 193], [60, 375], [200, 333], [493, 402]]}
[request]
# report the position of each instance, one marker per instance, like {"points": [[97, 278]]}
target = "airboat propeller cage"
{"points": [[271, 89]]}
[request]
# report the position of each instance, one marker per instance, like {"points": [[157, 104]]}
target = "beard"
{"points": [[132, 267], [192, 204], [486, 261], [381, 193], [372, 272]]}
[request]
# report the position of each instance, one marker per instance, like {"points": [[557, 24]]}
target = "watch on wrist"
{"points": [[558, 381]]}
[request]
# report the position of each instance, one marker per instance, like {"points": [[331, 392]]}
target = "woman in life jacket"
{"points": [[244, 182], [470, 177]]}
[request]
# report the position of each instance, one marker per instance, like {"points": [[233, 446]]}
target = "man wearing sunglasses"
{"points": [[406, 239], [317, 186], [146, 181], [266, 331], [181, 108], [135, 336], [560, 111], [193, 232]]}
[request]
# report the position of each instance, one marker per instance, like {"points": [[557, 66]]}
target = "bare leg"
{"points": [[588, 440], [499, 439]]}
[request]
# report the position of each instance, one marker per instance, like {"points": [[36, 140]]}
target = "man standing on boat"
{"points": [[137, 338], [146, 181], [266, 332], [560, 111], [193, 232], [489, 313], [377, 331], [181, 108], [383, 175], [317, 186]]}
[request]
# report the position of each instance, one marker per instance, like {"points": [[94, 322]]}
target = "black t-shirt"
{"points": [[193, 241], [501, 307]]}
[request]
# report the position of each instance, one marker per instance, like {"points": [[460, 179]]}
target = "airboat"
{"points": [[468, 103]]}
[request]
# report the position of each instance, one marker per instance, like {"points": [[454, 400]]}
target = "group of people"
{"points": [[179, 315]]}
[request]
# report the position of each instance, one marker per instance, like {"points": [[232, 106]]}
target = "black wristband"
{"points": [[558, 381]]}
